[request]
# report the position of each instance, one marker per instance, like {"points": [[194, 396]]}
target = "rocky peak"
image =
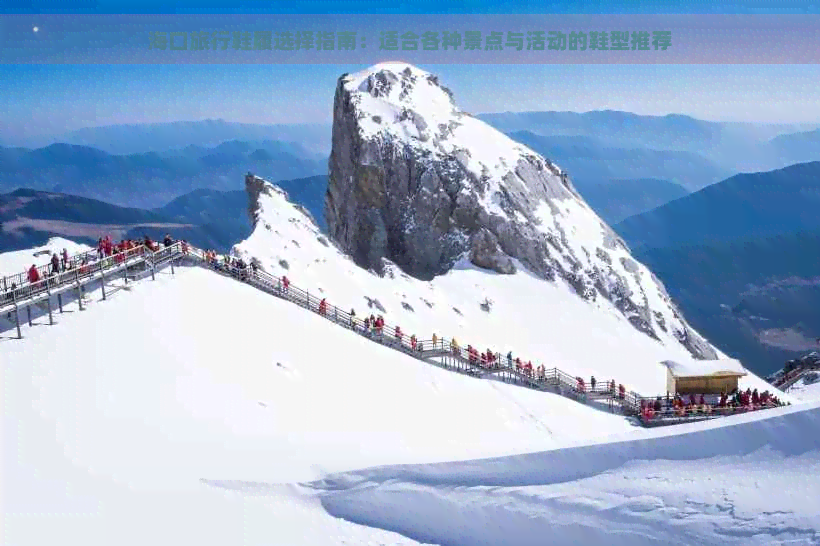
{"points": [[256, 188], [416, 181]]}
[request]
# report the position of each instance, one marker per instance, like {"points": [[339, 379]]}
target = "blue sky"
{"points": [[57, 79]]}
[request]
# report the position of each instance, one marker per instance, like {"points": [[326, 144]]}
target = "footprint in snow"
{"points": [[264, 405]]}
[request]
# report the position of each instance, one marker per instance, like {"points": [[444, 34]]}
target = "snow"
{"points": [[752, 479], [398, 102], [807, 388], [19, 261], [118, 412], [195, 409], [693, 368], [539, 321]]}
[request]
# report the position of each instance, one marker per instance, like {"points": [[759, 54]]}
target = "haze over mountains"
{"points": [[624, 165], [742, 258], [151, 179], [160, 137]]}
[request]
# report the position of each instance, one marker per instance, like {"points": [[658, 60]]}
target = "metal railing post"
{"points": [[102, 278], [153, 276], [50, 316], [28, 311], [172, 266], [125, 268], [79, 290], [60, 302], [16, 314]]}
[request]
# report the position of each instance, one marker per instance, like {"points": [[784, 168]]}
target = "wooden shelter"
{"points": [[703, 376]]}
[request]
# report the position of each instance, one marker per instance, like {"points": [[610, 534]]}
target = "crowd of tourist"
{"points": [[735, 401], [37, 279]]}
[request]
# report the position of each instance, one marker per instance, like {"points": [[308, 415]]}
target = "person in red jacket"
{"points": [[33, 274]]}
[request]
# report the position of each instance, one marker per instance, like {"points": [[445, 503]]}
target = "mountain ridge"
{"points": [[416, 181]]}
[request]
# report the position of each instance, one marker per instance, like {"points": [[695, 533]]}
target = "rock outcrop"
{"points": [[416, 181]]}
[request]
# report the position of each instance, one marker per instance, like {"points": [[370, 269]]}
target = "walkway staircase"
{"points": [[88, 272]]}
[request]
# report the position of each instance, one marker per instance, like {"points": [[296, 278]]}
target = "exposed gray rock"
{"points": [[407, 306], [421, 203], [485, 252], [284, 264], [372, 302], [254, 186]]}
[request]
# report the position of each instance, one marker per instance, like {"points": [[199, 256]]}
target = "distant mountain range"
{"points": [[621, 182], [161, 137], [151, 179], [619, 199], [745, 206], [734, 147], [591, 161], [207, 218], [621, 162], [742, 258]]}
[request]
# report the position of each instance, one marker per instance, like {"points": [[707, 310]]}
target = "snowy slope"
{"points": [[189, 409], [19, 261], [807, 389], [114, 415], [747, 480], [541, 321], [416, 180]]}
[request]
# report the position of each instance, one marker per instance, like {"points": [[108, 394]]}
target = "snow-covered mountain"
{"points": [[196, 408], [545, 322], [415, 180]]}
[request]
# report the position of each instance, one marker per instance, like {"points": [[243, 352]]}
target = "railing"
{"points": [[671, 415], [550, 379], [21, 279], [79, 269]]}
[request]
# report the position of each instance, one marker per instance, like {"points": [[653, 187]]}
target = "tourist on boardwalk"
{"points": [[509, 359], [353, 319], [55, 264], [65, 259], [33, 274], [323, 306], [167, 241], [435, 341], [592, 382], [398, 333], [285, 284], [454, 347]]}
